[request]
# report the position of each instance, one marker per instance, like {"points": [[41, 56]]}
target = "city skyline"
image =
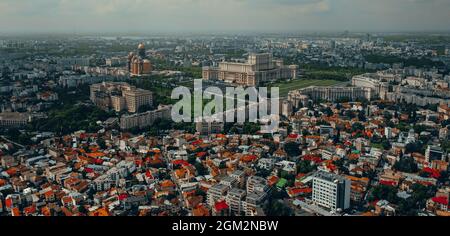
{"points": [[149, 16]]}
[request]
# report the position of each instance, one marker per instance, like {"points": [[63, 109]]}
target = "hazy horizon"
{"points": [[219, 16]]}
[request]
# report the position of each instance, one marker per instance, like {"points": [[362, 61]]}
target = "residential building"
{"points": [[331, 191]]}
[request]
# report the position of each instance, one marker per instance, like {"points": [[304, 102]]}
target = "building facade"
{"points": [[331, 94], [120, 96], [258, 68], [208, 128], [146, 119], [331, 191], [14, 119]]}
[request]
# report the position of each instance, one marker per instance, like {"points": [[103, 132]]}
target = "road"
{"points": [[9, 141]]}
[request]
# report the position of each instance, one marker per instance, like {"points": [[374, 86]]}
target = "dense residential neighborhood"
{"points": [[86, 127]]}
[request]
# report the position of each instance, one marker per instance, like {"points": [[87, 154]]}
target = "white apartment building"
{"points": [[216, 193], [235, 199], [146, 119], [331, 191], [120, 96], [333, 94]]}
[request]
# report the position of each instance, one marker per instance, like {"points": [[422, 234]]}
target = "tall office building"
{"points": [[331, 191]]}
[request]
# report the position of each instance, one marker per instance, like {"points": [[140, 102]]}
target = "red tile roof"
{"points": [[440, 200], [220, 206]]}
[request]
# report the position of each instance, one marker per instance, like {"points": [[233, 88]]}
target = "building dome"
{"points": [[141, 46]]}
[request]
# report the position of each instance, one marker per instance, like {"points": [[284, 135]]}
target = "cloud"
{"points": [[223, 15]]}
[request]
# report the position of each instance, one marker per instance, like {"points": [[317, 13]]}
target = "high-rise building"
{"points": [[137, 98], [331, 191], [257, 193], [235, 199], [216, 193], [256, 184], [120, 96]]}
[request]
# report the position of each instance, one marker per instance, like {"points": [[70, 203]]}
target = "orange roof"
{"points": [[95, 154], [353, 178], [46, 211], [167, 184], [180, 173], [249, 158], [16, 212], [2, 182], [273, 180], [200, 211], [100, 212], [8, 202], [368, 214], [12, 171], [67, 199], [49, 193], [29, 210]]}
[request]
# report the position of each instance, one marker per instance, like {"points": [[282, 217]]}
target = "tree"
{"points": [[406, 164], [292, 149], [101, 143], [337, 137], [356, 127], [305, 167], [362, 116], [328, 112], [383, 192], [386, 144], [201, 170], [414, 147], [278, 208]]}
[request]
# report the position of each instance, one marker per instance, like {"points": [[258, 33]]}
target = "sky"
{"points": [[146, 16]]}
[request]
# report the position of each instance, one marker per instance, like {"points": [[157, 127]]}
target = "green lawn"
{"points": [[292, 85], [302, 83]]}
